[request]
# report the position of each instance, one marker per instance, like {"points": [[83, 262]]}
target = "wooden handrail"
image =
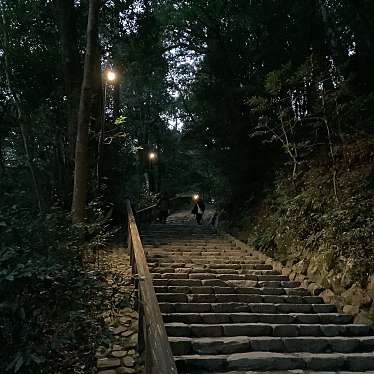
{"points": [[152, 334], [146, 209]]}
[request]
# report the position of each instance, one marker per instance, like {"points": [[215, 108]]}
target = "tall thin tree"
{"points": [[88, 92]]}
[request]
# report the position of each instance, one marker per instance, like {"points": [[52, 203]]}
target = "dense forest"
{"points": [[266, 106]]}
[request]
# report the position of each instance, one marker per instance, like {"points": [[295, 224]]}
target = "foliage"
{"points": [[294, 224], [49, 308]]}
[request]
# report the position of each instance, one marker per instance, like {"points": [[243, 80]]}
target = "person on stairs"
{"points": [[163, 206], [198, 209]]}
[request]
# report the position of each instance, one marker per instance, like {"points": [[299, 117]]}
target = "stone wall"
{"points": [[334, 287]]}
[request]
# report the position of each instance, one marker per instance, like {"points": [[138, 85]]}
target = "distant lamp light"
{"points": [[111, 76], [196, 196], [152, 156]]}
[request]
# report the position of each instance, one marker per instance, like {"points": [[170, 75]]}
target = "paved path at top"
{"points": [[225, 311]]}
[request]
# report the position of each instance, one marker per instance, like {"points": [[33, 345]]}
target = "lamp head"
{"points": [[111, 76], [152, 155]]}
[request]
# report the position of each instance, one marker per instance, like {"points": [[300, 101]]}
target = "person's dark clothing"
{"points": [[163, 206], [198, 210]]}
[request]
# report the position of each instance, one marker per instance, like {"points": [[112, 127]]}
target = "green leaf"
{"points": [[120, 120]]}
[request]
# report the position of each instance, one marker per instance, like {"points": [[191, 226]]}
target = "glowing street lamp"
{"points": [[111, 76], [152, 156], [108, 77]]}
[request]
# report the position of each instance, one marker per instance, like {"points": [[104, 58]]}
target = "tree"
{"points": [[66, 19], [86, 109]]}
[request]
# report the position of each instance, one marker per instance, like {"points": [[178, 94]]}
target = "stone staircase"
{"points": [[225, 311]]}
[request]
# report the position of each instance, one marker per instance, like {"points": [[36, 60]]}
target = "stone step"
{"points": [[267, 361], [249, 280], [239, 344], [222, 266], [199, 253], [174, 241], [256, 273], [246, 308], [264, 329], [296, 318], [187, 246], [204, 270], [241, 298], [182, 280], [232, 290], [245, 260]]}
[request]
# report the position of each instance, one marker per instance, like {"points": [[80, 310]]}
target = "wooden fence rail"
{"points": [[152, 334]]}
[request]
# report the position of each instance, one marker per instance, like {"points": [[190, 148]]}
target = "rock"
{"points": [[133, 314], [128, 361], [286, 271], [124, 370], [300, 278], [132, 341], [356, 296], [328, 296], [125, 311], [277, 266], [107, 363], [335, 282], [102, 352], [125, 320], [118, 330], [116, 347], [119, 354], [127, 333], [363, 318], [107, 372], [351, 309], [315, 289]]}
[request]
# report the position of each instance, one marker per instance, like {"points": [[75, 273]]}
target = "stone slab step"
{"points": [[194, 248], [265, 329], [246, 308], [297, 318], [257, 281], [239, 344], [242, 298], [201, 254], [255, 271], [266, 361], [177, 267], [244, 260], [232, 290], [212, 265]]}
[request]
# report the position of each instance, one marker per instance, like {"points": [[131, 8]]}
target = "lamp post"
{"points": [[152, 157], [109, 77]]}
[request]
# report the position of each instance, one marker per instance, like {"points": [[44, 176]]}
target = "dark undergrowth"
{"points": [[327, 211], [49, 304]]}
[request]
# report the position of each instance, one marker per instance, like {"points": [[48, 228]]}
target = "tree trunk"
{"points": [[71, 66], [87, 97], [66, 21]]}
